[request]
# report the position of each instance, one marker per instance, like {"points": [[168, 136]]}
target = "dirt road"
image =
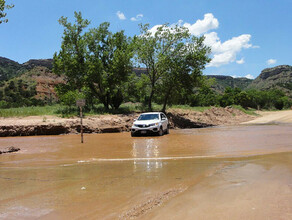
{"points": [[272, 117]]}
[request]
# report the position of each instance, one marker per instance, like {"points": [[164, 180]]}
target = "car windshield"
{"points": [[148, 117]]}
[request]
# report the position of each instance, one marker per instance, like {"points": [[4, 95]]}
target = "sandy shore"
{"points": [[52, 125]]}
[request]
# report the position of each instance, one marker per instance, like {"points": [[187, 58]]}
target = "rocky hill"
{"points": [[24, 84], [10, 69], [221, 82], [279, 77], [48, 63]]}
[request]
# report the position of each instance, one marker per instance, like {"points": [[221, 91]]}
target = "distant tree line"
{"points": [[268, 99]]}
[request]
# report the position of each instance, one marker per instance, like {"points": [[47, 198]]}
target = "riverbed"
{"points": [[227, 172]]}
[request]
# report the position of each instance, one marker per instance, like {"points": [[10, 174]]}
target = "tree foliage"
{"points": [[172, 57], [268, 99], [96, 59], [4, 6], [110, 64]]}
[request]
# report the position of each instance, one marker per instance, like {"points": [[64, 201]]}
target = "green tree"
{"points": [[110, 64], [171, 57], [71, 60], [205, 97], [183, 67], [3, 7], [96, 59]]}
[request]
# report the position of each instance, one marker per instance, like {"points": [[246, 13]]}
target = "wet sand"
{"points": [[234, 172]]}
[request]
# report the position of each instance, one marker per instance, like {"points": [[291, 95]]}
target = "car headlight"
{"points": [[154, 124], [135, 125]]}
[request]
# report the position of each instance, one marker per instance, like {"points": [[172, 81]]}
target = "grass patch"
{"points": [[249, 111], [99, 109], [30, 111], [187, 107]]}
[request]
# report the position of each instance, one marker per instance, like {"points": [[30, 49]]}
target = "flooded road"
{"points": [[234, 172]]}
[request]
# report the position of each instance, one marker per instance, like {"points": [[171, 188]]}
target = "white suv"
{"points": [[150, 122]]}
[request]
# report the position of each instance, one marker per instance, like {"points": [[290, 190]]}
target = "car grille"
{"points": [[143, 126]]}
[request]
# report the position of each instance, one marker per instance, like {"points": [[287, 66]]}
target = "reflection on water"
{"points": [[148, 166], [146, 148]]}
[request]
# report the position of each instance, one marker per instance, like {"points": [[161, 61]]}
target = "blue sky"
{"points": [[245, 36]]}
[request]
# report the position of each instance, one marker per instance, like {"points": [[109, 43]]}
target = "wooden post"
{"points": [[81, 103], [81, 116]]}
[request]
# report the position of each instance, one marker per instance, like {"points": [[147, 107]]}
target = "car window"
{"points": [[148, 117], [163, 117]]}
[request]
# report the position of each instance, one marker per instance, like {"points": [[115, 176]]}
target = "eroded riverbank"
{"points": [[52, 125], [221, 172]]}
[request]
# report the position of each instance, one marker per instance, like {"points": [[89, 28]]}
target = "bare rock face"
{"points": [[269, 72], [279, 77]]}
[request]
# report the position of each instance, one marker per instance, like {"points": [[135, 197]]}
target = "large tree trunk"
{"points": [[150, 99], [102, 97], [165, 100]]}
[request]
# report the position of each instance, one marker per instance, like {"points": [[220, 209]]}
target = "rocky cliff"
{"points": [[33, 78], [279, 77]]}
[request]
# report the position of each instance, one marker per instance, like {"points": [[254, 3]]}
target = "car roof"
{"points": [[147, 113]]}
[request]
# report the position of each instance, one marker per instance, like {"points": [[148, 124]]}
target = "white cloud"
{"points": [[121, 15], [199, 27], [249, 76], [154, 29], [241, 61], [271, 61], [222, 52], [137, 18], [202, 26]]}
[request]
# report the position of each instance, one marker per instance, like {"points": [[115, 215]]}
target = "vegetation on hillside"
{"points": [[9, 69], [222, 82], [257, 99]]}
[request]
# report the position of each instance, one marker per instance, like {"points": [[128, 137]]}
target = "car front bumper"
{"points": [[152, 129]]}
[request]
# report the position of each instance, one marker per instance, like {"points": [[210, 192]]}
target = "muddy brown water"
{"points": [[234, 172]]}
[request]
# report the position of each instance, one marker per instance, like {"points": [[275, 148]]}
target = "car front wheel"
{"points": [[160, 132], [167, 130]]}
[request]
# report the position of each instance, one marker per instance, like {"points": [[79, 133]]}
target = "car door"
{"points": [[163, 121]]}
